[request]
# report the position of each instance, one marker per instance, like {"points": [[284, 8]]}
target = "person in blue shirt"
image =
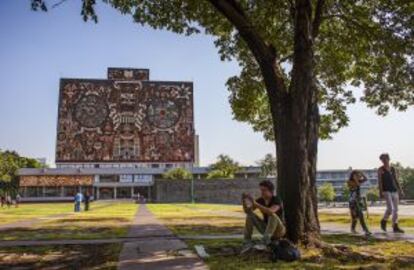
{"points": [[78, 200]]}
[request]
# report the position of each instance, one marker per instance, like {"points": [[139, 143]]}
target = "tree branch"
{"points": [[235, 14], [265, 55], [317, 20]]}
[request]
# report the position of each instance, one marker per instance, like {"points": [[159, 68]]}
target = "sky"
{"points": [[37, 49]]}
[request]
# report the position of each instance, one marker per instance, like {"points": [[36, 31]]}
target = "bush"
{"points": [[326, 192], [177, 173]]}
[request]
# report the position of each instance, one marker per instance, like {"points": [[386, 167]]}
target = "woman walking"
{"points": [[355, 201]]}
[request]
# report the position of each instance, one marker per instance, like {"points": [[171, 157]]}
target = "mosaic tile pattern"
{"points": [[131, 121]]}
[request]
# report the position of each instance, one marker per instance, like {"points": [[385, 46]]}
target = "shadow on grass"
{"points": [[102, 256], [224, 254], [62, 232], [92, 219]]}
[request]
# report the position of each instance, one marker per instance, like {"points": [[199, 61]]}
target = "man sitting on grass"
{"points": [[271, 226]]}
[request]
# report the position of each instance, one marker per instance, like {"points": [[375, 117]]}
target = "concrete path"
{"points": [[163, 251]]}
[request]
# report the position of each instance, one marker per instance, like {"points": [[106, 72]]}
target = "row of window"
{"points": [[66, 191]]}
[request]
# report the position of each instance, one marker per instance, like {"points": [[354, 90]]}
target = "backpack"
{"points": [[284, 250]]}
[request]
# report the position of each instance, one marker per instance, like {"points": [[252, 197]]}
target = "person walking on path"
{"points": [[390, 190], [78, 200], [356, 205], [86, 201]]}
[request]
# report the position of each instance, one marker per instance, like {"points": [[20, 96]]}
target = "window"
{"points": [[52, 192], [69, 191], [108, 179], [123, 192], [33, 192]]}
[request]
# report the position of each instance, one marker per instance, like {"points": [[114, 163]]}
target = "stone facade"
{"points": [[205, 191]]}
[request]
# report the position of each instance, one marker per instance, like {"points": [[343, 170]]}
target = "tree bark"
{"points": [[296, 120]]}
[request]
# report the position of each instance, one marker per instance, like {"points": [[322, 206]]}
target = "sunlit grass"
{"points": [[104, 220], [33, 210]]}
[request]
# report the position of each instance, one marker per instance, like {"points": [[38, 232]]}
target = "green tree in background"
{"points": [[326, 193], [296, 57], [268, 165], [224, 167], [345, 192], [406, 178], [10, 162], [372, 194], [177, 173]]}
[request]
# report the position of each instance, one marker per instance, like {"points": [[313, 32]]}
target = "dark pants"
{"points": [[357, 214]]}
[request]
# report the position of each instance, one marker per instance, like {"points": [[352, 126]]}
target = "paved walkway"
{"points": [[163, 251]]}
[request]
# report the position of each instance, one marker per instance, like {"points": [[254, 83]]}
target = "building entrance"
{"points": [[106, 193]]}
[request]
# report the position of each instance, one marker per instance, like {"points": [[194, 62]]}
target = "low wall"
{"points": [[205, 191]]}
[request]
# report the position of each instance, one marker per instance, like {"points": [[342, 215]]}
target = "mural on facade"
{"points": [[105, 120], [55, 180]]}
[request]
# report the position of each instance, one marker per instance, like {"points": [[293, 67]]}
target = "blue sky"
{"points": [[36, 49]]}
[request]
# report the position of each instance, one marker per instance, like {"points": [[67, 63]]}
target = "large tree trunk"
{"points": [[296, 120]]}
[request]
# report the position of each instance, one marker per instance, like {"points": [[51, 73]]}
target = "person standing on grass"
{"points": [[18, 198], [87, 201], [78, 200], [8, 200], [271, 226], [390, 190], [355, 201], [3, 200]]}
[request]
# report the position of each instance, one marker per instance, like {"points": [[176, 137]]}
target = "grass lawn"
{"points": [[32, 210], [104, 220], [102, 256], [193, 219]]}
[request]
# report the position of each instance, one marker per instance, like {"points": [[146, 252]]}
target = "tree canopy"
{"points": [[224, 167], [177, 173], [367, 44], [10, 162], [326, 192], [268, 165]]}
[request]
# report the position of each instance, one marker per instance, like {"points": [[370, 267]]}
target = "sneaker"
{"points": [[247, 246], [397, 229], [260, 247], [383, 225], [368, 233], [353, 231]]}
